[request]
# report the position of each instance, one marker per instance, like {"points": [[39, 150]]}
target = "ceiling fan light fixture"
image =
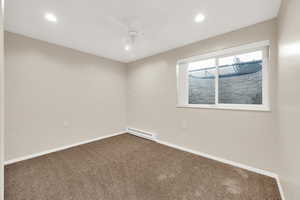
{"points": [[199, 18], [51, 17], [127, 47], [130, 41]]}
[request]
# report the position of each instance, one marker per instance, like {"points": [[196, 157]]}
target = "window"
{"points": [[234, 78]]}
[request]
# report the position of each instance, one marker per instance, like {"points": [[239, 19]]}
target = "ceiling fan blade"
{"points": [[118, 23]]}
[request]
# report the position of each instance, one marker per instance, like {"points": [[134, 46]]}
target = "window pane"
{"points": [[201, 77], [240, 79]]}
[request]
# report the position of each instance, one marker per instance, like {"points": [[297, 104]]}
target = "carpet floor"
{"points": [[126, 167]]}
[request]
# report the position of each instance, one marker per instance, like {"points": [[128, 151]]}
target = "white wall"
{"points": [[242, 136], [56, 96], [1, 102], [289, 96]]}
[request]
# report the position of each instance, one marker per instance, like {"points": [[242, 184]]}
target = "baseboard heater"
{"points": [[143, 134]]}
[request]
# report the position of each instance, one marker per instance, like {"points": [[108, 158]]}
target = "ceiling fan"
{"points": [[130, 39], [132, 26]]}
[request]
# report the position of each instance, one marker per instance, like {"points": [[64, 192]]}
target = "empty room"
{"points": [[149, 100]]}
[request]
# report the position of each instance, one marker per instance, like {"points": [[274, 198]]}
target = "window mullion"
{"points": [[217, 82]]}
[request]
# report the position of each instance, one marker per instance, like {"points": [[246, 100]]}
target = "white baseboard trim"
{"points": [[222, 160], [232, 163], [229, 162], [8, 162], [280, 188]]}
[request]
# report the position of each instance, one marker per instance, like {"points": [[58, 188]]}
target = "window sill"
{"points": [[261, 108]]}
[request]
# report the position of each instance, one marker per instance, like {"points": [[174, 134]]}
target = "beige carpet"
{"points": [[126, 167]]}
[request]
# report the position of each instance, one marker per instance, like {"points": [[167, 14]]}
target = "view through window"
{"points": [[226, 80]]}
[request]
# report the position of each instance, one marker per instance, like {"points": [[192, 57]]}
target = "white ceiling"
{"points": [[99, 26]]}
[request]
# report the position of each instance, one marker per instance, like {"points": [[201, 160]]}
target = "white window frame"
{"points": [[182, 78]]}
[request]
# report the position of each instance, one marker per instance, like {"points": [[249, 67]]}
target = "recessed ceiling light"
{"points": [[50, 17], [127, 47], [199, 18]]}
